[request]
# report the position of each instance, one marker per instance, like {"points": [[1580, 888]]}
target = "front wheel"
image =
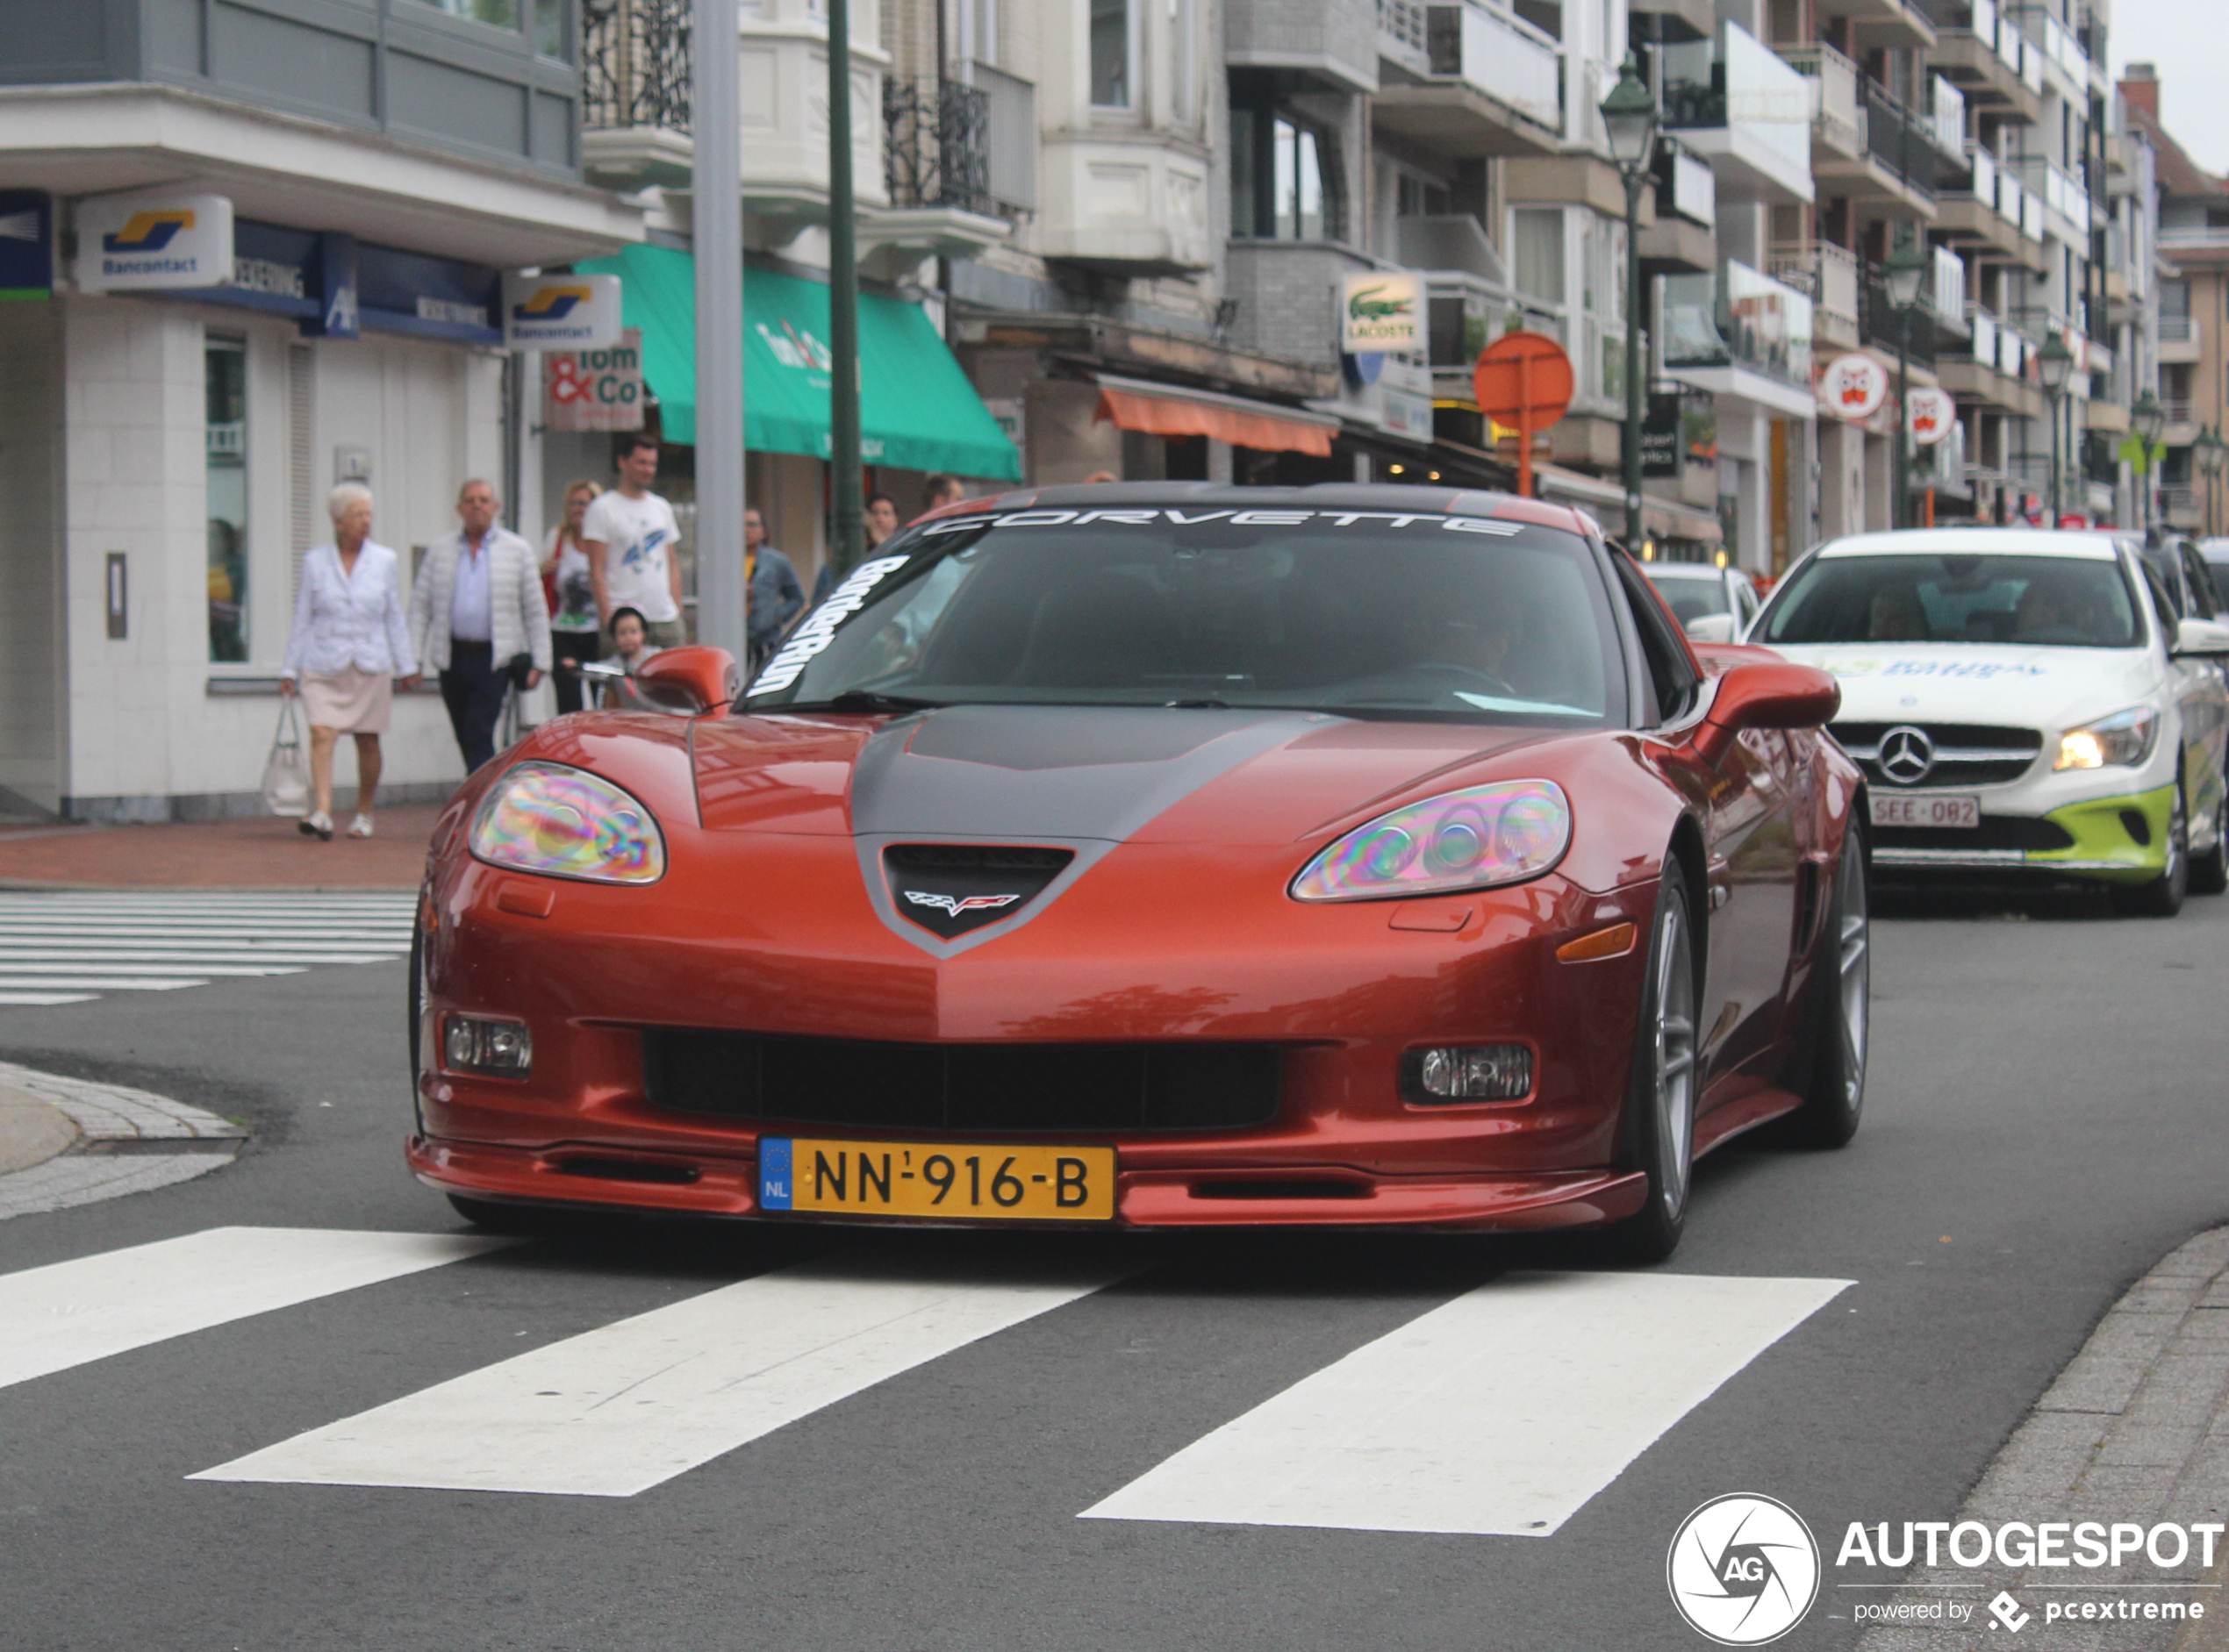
{"points": [[2209, 871], [1841, 1011], [2162, 897], [1659, 1108]]}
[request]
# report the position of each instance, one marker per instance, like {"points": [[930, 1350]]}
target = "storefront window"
{"points": [[225, 383]]}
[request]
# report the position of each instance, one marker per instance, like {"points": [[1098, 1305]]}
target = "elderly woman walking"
{"points": [[349, 644]]}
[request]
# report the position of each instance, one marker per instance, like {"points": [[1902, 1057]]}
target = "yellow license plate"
{"points": [[968, 1181]]}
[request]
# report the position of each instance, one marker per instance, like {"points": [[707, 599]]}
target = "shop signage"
{"points": [[1381, 311], [593, 390], [1660, 436], [150, 240], [1933, 413], [1853, 386], [1405, 400], [26, 245], [561, 312]]}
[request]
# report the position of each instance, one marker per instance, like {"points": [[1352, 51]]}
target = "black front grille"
{"points": [[1996, 832], [1966, 754], [864, 1084]]}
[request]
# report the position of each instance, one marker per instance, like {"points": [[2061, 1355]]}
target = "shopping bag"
{"points": [[286, 776]]}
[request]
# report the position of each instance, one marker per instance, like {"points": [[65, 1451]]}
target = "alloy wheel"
{"points": [[1675, 1056], [1853, 944]]}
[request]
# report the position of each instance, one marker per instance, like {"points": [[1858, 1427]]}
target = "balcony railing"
{"points": [[1892, 329], [1738, 318], [936, 145], [1735, 82], [2178, 409], [1901, 141], [2058, 191], [1838, 113], [635, 64], [1495, 51], [1946, 118], [1948, 285], [2057, 43], [1824, 273], [2177, 329]]}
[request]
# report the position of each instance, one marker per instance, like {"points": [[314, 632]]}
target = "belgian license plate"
{"points": [[965, 1181], [1933, 810]]}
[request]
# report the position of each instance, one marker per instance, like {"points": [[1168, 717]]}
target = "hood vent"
{"points": [[951, 889]]}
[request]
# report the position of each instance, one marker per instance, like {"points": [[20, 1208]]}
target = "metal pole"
{"points": [[1634, 373], [2057, 492], [716, 182], [1899, 501], [843, 301]]}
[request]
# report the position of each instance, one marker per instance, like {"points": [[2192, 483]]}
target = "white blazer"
{"points": [[520, 612], [349, 619]]}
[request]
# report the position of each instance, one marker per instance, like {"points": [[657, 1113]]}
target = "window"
{"points": [[550, 21], [1415, 196], [224, 386], [1540, 253], [1110, 45], [1184, 26], [1284, 179]]}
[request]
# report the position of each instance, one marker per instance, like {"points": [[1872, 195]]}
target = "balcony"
{"points": [[2063, 204], [635, 85], [1888, 328], [1989, 367], [2181, 340], [1887, 23], [1946, 118], [1838, 113], [1741, 333], [1684, 238], [1896, 176], [1737, 103], [2058, 60], [1828, 276], [939, 141], [1478, 81], [1981, 52], [1979, 210]]}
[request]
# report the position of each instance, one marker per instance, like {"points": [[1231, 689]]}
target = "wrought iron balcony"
{"points": [[937, 143], [635, 65]]}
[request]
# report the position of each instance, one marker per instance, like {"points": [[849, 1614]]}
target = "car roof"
{"points": [[1323, 496], [2090, 547], [1684, 570]]}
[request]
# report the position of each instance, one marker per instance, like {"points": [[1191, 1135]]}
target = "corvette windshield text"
{"points": [[1142, 516]]}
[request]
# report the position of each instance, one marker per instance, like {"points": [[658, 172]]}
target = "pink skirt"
{"points": [[352, 701]]}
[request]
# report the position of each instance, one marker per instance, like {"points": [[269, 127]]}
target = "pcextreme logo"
{"points": [[552, 304], [147, 232], [1743, 1570]]}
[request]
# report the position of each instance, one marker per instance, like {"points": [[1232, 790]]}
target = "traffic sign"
{"points": [[1523, 379]]}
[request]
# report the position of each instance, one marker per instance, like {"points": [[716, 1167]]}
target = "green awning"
{"points": [[917, 409]]}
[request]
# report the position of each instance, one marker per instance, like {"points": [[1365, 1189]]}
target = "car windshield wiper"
{"points": [[862, 700]]}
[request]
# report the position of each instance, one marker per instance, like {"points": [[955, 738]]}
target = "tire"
{"points": [[1660, 1097], [1839, 1021], [2209, 871], [2162, 897]]}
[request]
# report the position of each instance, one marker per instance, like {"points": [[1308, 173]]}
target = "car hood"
{"points": [[1974, 682], [1113, 774]]}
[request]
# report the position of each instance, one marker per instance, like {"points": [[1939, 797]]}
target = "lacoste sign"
{"points": [[1381, 311]]}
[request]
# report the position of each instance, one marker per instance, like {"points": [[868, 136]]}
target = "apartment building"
{"points": [[338, 184]]}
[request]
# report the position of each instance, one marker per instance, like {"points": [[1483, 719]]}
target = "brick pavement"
{"points": [[257, 853]]}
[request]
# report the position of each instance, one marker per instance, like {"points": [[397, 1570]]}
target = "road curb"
{"points": [[118, 1141], [2135, 1428]]}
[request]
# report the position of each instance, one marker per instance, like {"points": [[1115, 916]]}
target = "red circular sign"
{"points": [[1523, 380]]}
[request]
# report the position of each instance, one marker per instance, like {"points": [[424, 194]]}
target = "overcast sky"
{"points": [[2189, 40]]}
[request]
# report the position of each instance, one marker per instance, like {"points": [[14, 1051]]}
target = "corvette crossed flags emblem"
{"points": [[957, 904]]}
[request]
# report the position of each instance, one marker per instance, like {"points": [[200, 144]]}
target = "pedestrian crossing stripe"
{"points": [[68, 948]]}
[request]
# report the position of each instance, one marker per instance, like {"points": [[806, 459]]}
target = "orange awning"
{"points": [[1161, 410]]}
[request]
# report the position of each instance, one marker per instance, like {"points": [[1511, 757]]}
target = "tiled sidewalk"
{"points": [[259, 853]]}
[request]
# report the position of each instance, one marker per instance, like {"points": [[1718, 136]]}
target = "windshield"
{"points": [[2040, 601], [1359, 612], [1691, 596]]}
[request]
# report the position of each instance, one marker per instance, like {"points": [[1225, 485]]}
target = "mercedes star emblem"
{"points": [[1907, 755]]}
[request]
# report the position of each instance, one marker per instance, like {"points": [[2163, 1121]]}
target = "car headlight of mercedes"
{"points": [[565, 822], [2123, 741], [1476, 838]]}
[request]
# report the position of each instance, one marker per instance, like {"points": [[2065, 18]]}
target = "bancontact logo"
{"points": [[551, 304], [148, 232]]}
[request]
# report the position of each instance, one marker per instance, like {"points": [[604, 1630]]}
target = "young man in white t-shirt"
{"points": [[628, 535]]}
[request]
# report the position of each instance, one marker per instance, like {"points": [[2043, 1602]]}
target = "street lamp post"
{"points": [[1907, 268], [2056, 363], [850, 524], [1630, 114], [2149, 419]]}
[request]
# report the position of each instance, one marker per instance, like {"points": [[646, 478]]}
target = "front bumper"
{"points": [[2115, 839]]}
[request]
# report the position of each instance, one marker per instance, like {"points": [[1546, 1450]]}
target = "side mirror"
{"points": [[2202, 639], [691, 681], [1710, 628], [1781, 695]]}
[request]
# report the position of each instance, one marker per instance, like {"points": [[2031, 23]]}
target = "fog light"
{"points": [[1484, 1072], [473, 1044]]}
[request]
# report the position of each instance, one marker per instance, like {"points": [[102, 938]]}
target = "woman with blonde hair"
{"points": [[349, 644], [574, 630]]}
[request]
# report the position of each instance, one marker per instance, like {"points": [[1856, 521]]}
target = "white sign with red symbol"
{"points": [[1854, 386], [1933, 413], [594, 389]]}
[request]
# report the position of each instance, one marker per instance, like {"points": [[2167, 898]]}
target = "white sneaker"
{"points": [[318, 824], [360, 826]]}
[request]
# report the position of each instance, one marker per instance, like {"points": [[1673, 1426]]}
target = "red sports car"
{"points": [[1162, 856]]}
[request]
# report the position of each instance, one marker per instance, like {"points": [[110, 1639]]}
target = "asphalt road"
{"points": [[2044, 1122]]}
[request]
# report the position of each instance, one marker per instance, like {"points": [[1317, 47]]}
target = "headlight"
{"points": [[565, 822], [2122, 740], [1472, 839]]}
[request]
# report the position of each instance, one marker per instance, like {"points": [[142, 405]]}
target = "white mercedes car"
{"points": [[2021, 699]]}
